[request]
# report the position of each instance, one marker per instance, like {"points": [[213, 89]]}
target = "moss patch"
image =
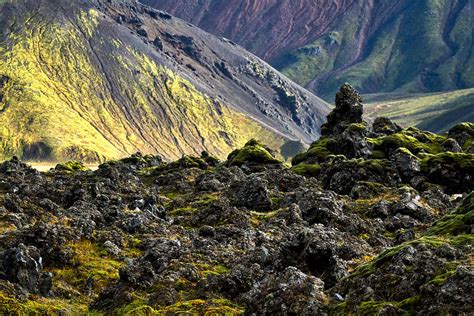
{"points": [[307, 170], [71, 166], [253, 152]]}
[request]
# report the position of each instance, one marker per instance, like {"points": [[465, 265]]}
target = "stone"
{"points": [[451, 145], [349, 109], [385, 126]]}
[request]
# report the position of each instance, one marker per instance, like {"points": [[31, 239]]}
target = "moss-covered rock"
{"points": [[71, 166], [460, 222], [188, 162], [253, 153], [412, 139], [455, 171], [308, 170], [318, 152]]}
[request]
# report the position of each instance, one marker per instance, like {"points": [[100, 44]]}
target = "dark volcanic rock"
{"points": [[348, 110], [385, 126], [374, 230], [23, 265]]}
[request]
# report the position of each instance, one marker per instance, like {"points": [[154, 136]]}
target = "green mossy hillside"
{"points": [[390, 61], [73, 92]]}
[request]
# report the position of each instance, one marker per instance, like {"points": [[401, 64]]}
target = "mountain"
{"points": [[95, 79], [361, 209], [378, 46], [268, 28], [436, 112]]}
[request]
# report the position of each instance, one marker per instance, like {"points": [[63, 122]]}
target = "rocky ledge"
{"points": [[370, 220]]}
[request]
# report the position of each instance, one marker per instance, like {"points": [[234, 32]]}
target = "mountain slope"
{"points": [[269, 28], [100, 79], [436, 112], [378, 46]]}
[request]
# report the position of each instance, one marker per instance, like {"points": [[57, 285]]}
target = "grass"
{"points": [[436, 112]]}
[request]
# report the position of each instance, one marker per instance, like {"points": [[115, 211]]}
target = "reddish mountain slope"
{"points": [[268, 28], [379, 46]]}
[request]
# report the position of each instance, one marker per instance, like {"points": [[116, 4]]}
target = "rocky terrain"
{"points": [[379, 46], [372, 219], [92, 80]]}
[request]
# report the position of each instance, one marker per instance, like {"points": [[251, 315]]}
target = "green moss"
{"points": [[276, 200], [188, 162], [137, 307], [404, 151], [307, 170], [252, 153], [457, 161], [450, 224], [372, 307], [213, 270], [10, 306], [183, 211], [88, 262], [441, 278], [465, 127], [36, 305], [428, 240], [205, 199], [317, 152], [357, 127], [71, 166], [378, 154], [409, 304], [203, 307], [411, 139], [376, 166], [257, 218], [458, 222], [467, 204]]}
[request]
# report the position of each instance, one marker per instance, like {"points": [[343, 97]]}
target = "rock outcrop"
{"points": [[248, 235]]}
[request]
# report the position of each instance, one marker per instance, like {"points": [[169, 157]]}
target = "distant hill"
{"points": [[97, 79], [398, 46], [436, 112]]}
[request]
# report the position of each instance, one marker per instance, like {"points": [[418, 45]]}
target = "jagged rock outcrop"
{"points": [[349, 152], [248, 235], [348, 110]]}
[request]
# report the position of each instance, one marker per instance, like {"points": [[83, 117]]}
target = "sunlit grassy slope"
{"points": [[436, 112], [72, 91]]}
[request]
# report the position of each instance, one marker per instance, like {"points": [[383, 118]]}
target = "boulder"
{"points": [[451, 145], [385, 126], [22, 265], [251, 192]]}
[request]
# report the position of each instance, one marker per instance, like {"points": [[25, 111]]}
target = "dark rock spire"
{"points": [[348, 110]]}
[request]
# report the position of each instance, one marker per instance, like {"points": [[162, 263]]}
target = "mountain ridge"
{"points": [[117, 77], [366, 43]]}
